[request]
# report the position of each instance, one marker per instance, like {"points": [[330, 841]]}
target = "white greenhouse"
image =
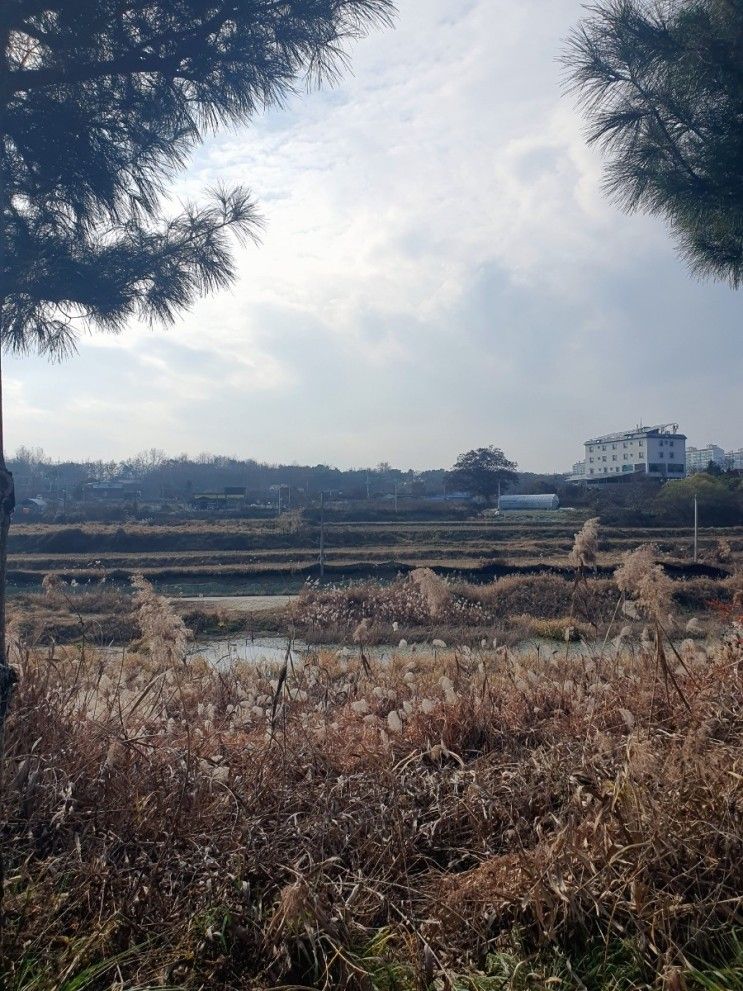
{"points": [[543, 502]]}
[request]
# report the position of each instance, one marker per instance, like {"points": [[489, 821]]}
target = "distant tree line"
{"points": [[162, 478], [159, 477]]}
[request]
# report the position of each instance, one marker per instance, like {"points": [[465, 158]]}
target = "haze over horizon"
{"points": [[440, 270]]}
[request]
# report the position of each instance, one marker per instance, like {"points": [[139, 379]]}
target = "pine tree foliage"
{"points": [[662, 86], [101, 103]]}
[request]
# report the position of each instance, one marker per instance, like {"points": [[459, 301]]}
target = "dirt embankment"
{"points": [[228, 551]]}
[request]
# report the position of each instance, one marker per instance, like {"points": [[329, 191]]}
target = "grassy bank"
{"points": [[423, 606], [509, 609]]}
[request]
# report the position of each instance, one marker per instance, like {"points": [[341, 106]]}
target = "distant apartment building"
{"points": [[699, 458], [658, 452]]}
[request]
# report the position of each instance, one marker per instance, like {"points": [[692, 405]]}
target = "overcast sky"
{"points": [[440, 270]]}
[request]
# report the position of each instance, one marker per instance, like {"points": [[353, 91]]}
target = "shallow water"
{"points": [[224, 651]]}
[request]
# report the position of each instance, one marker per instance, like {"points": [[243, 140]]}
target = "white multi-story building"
{"points": [[734, 460], [699, 458], [658, 451]]}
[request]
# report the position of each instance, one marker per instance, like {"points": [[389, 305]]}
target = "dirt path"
{"points": [[237, 603]]}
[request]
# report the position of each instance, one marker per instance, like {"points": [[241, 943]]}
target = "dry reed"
{"points": [[325, 825]]}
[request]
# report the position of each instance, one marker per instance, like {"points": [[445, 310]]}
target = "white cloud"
{"points": [[17, 404]]}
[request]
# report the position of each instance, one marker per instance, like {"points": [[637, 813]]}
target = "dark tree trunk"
{"points": [[8, 676], [7, 505]]}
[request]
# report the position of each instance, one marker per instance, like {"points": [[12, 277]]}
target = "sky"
{"points": [[439, 270]]}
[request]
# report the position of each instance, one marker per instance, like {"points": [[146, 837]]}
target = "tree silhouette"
{"points": [[101, 103], [483, 472], [662, 88]]}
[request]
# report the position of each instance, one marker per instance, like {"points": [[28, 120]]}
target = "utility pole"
{"points": [[322, 536], [696, 529]]}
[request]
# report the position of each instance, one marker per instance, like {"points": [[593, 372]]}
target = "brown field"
{"points": [[228, 551]]}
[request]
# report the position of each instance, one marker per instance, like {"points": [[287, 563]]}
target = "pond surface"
{"points": [[224, 651]]}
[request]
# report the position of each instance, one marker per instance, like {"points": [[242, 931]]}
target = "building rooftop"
{"points": [[664, 429]]}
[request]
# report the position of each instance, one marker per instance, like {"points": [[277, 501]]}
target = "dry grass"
{"points": [[342, 823], [102, 613], [407, 602], [64, 612], [346, 823], [514, 606]]}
